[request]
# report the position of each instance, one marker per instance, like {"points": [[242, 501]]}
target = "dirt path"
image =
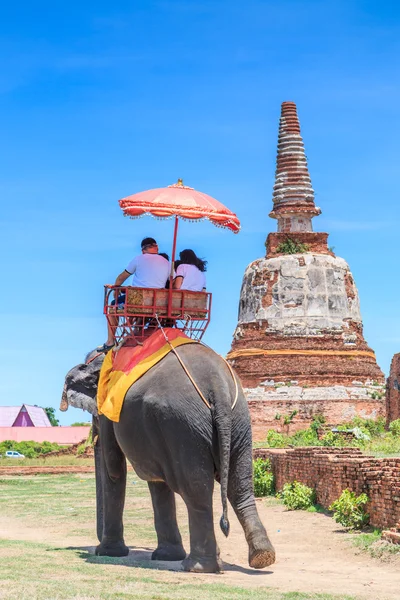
{"points": [[313, 555], [61, 470]]}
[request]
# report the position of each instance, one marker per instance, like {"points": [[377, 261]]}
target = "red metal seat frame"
{"points": [[145, 309]]}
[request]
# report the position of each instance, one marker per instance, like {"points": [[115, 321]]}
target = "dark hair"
{"points": [[146, 242], [164, 255], [188, 257]]}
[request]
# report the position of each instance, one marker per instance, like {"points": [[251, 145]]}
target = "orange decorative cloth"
{"points": [[122, 368]]}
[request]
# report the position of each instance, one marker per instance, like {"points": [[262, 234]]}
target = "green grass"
{"points": [[51, 461], [61, 508], [373, 544], [381, 444]]}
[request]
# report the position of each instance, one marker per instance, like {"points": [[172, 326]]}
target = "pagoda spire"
{"points": [[293, 195]]}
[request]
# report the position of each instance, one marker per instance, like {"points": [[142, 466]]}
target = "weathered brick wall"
{"points": [[316, 242], [331, 470], [393, 390]]}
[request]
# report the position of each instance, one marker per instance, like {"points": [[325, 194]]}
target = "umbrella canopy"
{"points": [[179, 200]]}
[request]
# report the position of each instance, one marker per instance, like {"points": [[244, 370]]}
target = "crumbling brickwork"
{"points": [[393, 390], [316, 242], [329, 471]]}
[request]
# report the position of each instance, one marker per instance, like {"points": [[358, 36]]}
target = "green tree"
{"points": [[51, 413]]}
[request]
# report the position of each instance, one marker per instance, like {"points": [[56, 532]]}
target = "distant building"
{"points": [[23, 416], [31, 424]]}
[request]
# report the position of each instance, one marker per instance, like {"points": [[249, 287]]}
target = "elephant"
{"points": [[178, 445]]}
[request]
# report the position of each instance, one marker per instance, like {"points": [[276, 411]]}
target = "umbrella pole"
{"points": [[171, 276]]}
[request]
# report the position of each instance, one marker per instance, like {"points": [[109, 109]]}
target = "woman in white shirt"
{"points": [[190, 273]]}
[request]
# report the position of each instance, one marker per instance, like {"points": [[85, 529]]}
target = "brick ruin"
{"points": [[329, 471], [299, 345], [393, 390]]}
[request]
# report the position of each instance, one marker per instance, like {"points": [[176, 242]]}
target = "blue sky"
{"points": [[99, 100]]}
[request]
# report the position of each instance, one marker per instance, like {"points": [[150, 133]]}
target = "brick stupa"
{"points": [[299, 345]]}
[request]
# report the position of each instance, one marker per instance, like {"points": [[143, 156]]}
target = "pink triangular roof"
{"points": [[8, 415]]}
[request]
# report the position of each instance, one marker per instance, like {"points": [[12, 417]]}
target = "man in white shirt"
{"points": [[149, 270]]}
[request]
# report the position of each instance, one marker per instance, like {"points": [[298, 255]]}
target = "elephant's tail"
{"points": [[223, 424]]}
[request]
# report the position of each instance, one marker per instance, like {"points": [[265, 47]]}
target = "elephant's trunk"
{"points": [[64, 401]]}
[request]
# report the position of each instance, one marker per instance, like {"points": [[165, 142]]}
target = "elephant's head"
{"points": [[80, 387]]}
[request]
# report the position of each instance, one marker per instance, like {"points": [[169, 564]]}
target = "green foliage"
{"points": [[375, 427], [276, 440], [349, 510], [81, 449], [287, 419], [81, 424], [305, 437], [292, 246], [317, 421], [263, 477], [334, 439], [369, 435], [297, 496], [51, 413], [29, 449], [373, 544], [394, 427]]}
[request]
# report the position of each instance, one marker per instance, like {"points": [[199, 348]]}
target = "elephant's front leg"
{"points": [[169, 539], [113, 467]]}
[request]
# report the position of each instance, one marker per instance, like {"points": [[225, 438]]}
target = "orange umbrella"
{"points": [[181, 201]]}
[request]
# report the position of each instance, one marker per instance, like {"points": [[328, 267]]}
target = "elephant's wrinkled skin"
{"points": [[177, 444]]}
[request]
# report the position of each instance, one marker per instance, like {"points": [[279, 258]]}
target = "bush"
{"points": [[263, 477], [349, 510], [276, 440], [297, 496], [334, 439], [394, 427], [291, 246], [29, 449], [305, 437]]}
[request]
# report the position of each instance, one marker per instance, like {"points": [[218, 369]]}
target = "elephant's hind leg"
{"points": [[113, 467], [169, 539], [204, 552], [240, 494]]}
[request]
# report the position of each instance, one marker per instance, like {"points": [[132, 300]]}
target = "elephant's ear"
{"points": [[80, 386]]}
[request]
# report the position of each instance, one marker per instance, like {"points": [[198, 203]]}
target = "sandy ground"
{"points": [[313, 555]]}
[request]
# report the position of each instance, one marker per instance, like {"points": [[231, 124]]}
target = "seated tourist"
{"points": [[190, 272], [149, 270]]}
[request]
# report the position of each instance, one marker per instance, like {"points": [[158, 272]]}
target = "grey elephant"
{"points": [[178, 445]]}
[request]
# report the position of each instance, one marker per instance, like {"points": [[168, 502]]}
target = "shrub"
{"points": [[394, 427], [291, 246], [296, 496], [349, 510], [334, 439], [29, 449], [374, 427], [305, 437], [263, 477], [276, 440]]}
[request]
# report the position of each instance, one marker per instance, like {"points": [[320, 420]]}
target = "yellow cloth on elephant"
{"points": [[122, 368]]}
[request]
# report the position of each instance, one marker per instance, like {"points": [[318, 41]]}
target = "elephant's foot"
{"points": [[261, 554], [112, 549], [169, 552], [202, 564]]}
